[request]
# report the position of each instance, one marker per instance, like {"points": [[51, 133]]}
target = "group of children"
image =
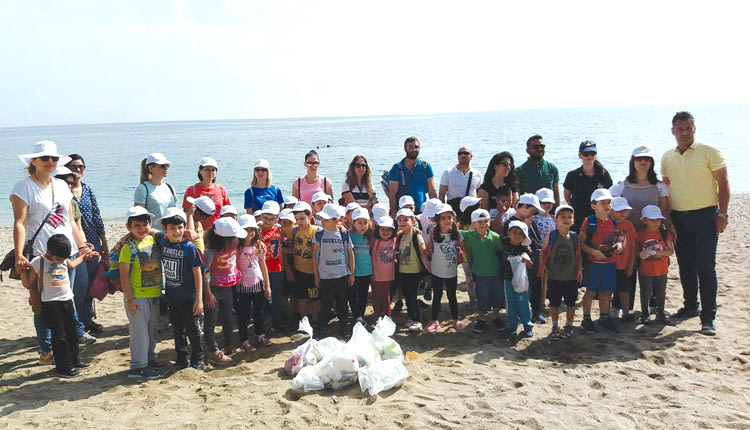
{"points": [[312, 260]]}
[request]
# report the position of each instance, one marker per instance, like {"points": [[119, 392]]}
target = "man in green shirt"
{"points": [[537, 172]]}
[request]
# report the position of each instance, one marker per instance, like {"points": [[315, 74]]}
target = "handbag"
{"points": [[99, 287]]}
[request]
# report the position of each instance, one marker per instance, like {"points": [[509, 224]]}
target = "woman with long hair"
{"points": [[153, 192], [304, 187], [261, 188], [207, 186], [501, 170], [358, 185]]}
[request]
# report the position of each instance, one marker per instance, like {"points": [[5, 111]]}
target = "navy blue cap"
{"points": [[587, 146]]}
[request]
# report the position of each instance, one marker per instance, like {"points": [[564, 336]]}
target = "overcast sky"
{"points": [[71, 61]]}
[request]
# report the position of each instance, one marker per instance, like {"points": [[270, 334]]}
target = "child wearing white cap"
{"points": [[289, 202], [207, 186], [383, 259], [200, 210], [503, 210], [361, 236], [272, 237], [228, 211], [624, 260], [153, 193], [251, 292], [656, 245], [306, 292], [516, 244], [411, 248]]}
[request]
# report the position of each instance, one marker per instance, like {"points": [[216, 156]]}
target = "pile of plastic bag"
{"points": [[375, 359]]}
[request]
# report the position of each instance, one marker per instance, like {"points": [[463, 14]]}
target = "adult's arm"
{"points": [[78, 235], [556, 193], [20, 214], [442, 192], [722, 180], [295, 190], [666, 206], [392, 190], [139, 196], [431, 188], [444, 182], [567, 194], [484, 199]]}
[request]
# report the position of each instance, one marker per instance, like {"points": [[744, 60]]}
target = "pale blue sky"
{"points": [[116, 61]]}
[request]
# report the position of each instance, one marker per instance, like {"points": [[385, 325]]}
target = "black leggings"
{"points": [[246, 304], [437, 295]]}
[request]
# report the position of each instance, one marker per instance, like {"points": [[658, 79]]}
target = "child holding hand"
{"points": [[656, 245], [516, 243]]}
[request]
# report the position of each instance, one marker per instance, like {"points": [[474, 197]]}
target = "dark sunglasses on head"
{"points": [[46, 158], [589, 154], [362, 165], [464, 153], [77, 166]]}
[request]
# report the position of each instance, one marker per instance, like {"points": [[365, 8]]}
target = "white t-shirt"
{"points": [[333, 259], [40, 204], [159, 199], [456, 181], [56, 282], [444, 262], [510, 213]]}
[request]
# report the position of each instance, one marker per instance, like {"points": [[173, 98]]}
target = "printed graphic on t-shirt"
{"points": [[58, 275], [306, 243], [449, 250], [386, 254], [56, 217], [653, 245], [563, 256], [171, 265], [150, 268]]}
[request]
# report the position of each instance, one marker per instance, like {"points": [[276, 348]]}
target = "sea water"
{"points": [[113, 152]]}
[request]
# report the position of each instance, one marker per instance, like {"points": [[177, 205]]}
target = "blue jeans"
{"points": [[81, 299], [517, 305], [276, 279], [43, 334], [696, 256], [490, 292]]}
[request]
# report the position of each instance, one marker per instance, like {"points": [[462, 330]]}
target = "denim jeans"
{"points": [[81, 299], [517, 306], [696, 256]]}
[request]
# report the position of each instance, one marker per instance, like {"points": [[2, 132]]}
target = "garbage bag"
{"points": [[307, 380], [329, 345], [381, 376], [520, 279], [384, 344], [362, 346], [305, 354], [338, 369]]}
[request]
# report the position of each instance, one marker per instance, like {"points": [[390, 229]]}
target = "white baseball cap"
{"points": [[620, 204], [44, 148], [405, 212], [257, 213], [468, 202], [643, 151], [522, 225], [270, 207], [329, 211], [530, 199], [208, 161], [229, 227], [442, 208], [172, 212], [601, 194], [379, 210], [351, 206], [137, 211], [430, 206], [290, 200], [301, 207], [204, 203], [247, 221], [360, 213], [320, 195], [262, 162], [386, 221], [564, 207], [228, 209], [405, 200], [651, 212], [157, 158], [64, 171], [480, 215], [287, 215], [545, 195]]}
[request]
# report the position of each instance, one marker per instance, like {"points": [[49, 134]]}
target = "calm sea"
{"points": [[113, 151]]}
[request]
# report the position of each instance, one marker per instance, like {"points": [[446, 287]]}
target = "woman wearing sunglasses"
{"points": [[581, 182], [41, 208], [501, 170], [207, 186], [358, 186], [261, 189], [304, 187], [153, 193]]}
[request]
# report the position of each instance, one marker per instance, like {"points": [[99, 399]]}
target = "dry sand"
{"points": [[643, 377]]}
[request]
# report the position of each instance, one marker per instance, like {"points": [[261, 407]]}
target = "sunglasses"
{"points": [[46, 158], [260, 169], [464, 153], [163, 166], [642, 158], [77, 166], [360, 165], [589, 154], [412, 147], [538, 146], [312, 163]]}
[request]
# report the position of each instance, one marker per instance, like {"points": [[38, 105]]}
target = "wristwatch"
{"points": [[725, 216]]}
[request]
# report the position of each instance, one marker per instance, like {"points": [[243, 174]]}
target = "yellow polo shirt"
{"points": [[692, 184]]}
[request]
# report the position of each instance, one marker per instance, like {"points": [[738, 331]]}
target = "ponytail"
{"points": [[145, 173]]}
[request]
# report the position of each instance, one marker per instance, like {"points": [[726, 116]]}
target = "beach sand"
{"points": [[645, 377]]}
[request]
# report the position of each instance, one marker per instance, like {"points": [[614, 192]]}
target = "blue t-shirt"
{"points": [[362, 260], [417, 188], [177, 262], [255, 197]]}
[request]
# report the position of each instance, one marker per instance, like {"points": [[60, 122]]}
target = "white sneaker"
{"points": [[614, 313], [415, 326], [86, 339]]}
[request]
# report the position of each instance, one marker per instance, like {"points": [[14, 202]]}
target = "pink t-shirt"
{"points": [[383, 261], [306, 190], [224, 272], [248, 262]]}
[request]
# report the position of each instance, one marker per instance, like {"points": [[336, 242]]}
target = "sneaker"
{"points": [[608, 324], [433, 326], [479, 326], [82, 365], [144, 372], [555, 333], [628, 317], [708, 328], [183, 365], [428, 293], [614, 313], [415, 326], [540, 319], [71, 373], [218, 357], [46, 359], [459, 326], [197, 366], [526, 333], [683, 313], [156, 364], [567, 332], [664, 318], [644, 319], [232, 349], [500, 324], [262, 340], [398, 307], [163, 324], [589, 326], [246, 346], [94, 328], [362, 321], [86, 339]]}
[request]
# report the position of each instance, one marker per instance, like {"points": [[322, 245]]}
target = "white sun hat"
{"points": [[64, 171], [228, 209], [270, 207], [44, 148], [172, 212], [137, 211]]}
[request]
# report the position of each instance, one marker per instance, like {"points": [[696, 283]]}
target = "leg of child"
{"points": [[451, 285], [153, 306], [484, 298], [209, 325], [381, 298], [524, 310], [437, 295], [554, 294], [276, 279], [257, 302], [535, 294], [647, 283], [224, 305], [138, 332], [341, 294], [497, 296], [588, 297], [470, 286], [71, 331], [242, 303], [511, 306], [195, 334], [570, 295], [326, 302], [410, 284], [53, 318], [544, 290], [605, 297], [362, 284], [177, 316]]}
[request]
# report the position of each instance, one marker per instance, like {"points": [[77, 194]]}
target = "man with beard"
{"points": [[410, 176], [537, 172], [460, 181]]}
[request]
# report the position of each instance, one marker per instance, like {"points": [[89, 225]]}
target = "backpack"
{"points": [[551, 240], [113, 274], [403, 184]]}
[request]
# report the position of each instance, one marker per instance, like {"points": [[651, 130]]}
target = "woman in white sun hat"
{"points": [[261, 188], [153, 192], [207, 186], [42, 208]]}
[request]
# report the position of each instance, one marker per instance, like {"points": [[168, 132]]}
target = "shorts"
{"points": [[490, 292], [600, 277], [557, 291], [623, 283], [304, 286]]}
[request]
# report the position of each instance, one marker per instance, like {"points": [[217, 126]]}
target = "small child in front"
{"points": [[516, 243], [183, 281], [383, 259], [252, 291], [655, 248], [49, 274], [410, 247], [624, 261], [597, 239]]}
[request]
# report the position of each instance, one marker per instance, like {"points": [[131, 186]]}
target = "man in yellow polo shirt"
{"points": [[699, 191]]}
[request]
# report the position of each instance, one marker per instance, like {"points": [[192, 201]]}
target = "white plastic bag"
{"points": [[520, 277], [337, 370], [385, 345], [307, 380], [305, 354], [329, 345], [381, 376], [362, 346]]}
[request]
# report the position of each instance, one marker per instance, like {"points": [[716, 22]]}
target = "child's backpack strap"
{"points": [[573, 238], [590, 229], [319, 235], [417, 251], [294, 234]]}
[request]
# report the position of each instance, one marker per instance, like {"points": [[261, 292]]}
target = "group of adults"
{"points": [[693, 195]]}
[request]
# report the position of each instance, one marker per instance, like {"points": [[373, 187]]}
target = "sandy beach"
{"points": [[643, 377]]}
